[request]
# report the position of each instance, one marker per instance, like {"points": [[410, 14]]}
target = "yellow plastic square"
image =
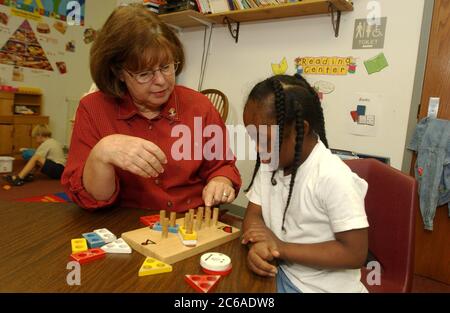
{"points": [[152, 266], [79, 245]]}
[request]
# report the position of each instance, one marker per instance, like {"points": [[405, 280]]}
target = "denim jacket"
{"points": [[431, 140]]}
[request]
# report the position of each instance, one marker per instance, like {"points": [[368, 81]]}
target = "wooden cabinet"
{"points": [[15, 129], [6, 103], [6, 139]]}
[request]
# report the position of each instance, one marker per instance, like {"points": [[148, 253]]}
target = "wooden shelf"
{"points": [[306, 7], [303, 8], [185, 19], [28, 104]]}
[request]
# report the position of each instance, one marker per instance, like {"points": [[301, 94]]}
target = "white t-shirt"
{"points": [[327, 198], [52, 150]]}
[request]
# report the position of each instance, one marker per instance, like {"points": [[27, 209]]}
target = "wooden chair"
{"points": [[219, 100]]}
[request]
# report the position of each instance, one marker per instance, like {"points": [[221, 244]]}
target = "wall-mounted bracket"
{"points": [[208, 24], [176, 28], [233, 27], [335, 18]]}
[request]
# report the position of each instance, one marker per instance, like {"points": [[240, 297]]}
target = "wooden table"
{"points": [[35, 248]]}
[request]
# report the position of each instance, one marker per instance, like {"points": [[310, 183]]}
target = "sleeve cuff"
{"points": [[253, 197], [85, 200], [354, 223]]}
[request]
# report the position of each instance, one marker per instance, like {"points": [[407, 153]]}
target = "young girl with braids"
{"points": [[308, 215]]}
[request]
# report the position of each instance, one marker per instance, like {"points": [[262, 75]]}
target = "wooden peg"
{"points": [[199, 218], [165, 228], [208, 216], [192, 214], [215, 216], [190, 225], [162, 216], [173, 219], [186, 220]]}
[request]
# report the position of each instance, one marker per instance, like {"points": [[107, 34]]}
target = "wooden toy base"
{"points": [[170, 250]]}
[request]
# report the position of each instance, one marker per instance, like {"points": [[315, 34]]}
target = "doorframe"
{"points": [[419, 78]]}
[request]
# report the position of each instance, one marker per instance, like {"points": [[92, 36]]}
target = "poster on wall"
{"points": [[22, 49], [325, 65], [89, 35], [55, 9], [4, 19], [363, 115], [376, 64], [369, 34], [280, 68], [17, 74]]}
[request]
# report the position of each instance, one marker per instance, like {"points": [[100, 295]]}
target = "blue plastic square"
{"points": [[361, 109], [93, 240]]}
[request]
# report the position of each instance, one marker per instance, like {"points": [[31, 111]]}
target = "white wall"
{"points": [[235, 68], [56, 87]]}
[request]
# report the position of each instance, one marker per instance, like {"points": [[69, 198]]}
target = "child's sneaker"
{"points": [[29, 178], [14, 180]]}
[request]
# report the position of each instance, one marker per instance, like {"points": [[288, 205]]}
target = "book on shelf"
{"points": [[205, 7], [219, 6], [251, 4], [171, 6], [231, 5]]}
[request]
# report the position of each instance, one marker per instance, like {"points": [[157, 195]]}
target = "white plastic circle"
{"points": [[215, 261]]}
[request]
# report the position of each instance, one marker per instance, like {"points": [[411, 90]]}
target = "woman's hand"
{"points": [[218, 190], [259, 258], [133, 154]]}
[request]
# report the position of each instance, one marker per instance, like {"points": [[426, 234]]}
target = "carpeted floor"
{"points": [[42, 185]]}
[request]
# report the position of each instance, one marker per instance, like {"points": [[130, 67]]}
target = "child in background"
{"points": [[308, 215], [49, 156], [27, 153]]}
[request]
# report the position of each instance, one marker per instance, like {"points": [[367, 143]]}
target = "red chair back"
{"points": [[391, 203]]}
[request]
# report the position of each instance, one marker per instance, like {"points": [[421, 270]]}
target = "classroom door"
{"points": [[432, 248]]}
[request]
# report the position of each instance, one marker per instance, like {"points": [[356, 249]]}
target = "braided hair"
{"points": [[294, 101]]}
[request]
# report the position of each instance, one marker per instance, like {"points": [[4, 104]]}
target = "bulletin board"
{"points": [[34, 37]]}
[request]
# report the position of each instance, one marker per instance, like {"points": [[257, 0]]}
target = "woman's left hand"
{"points": [[218, 190]]}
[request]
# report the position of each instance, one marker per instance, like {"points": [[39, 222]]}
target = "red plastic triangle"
{"points": [[149, 220], [202, 283]]}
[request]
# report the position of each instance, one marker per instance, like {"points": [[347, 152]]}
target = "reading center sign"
{"points": [[326, 65]]}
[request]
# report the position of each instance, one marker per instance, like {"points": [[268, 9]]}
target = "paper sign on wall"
{"points": [[369, 34], [281, 68], [23, 49], [4, 18], [376, 64], [324, 86], [36, 9], [325, 65], [363, 116], [89, 35], [17, 74]]}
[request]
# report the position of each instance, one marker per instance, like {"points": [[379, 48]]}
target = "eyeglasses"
{"points": [[147, 76]]}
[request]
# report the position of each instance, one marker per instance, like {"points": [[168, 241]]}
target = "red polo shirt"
{"points": [[180, 187]]}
